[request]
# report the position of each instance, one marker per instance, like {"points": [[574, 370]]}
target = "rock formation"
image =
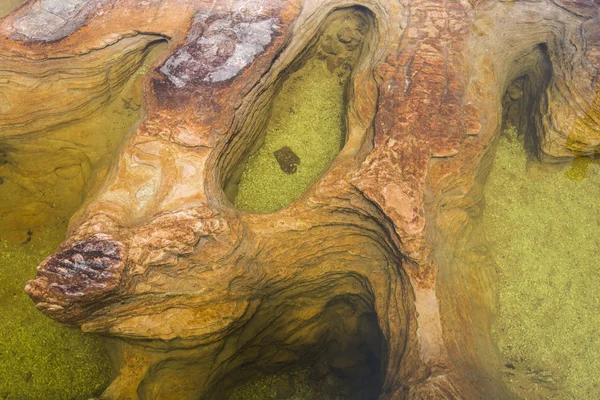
{"points": [[381, 259]]}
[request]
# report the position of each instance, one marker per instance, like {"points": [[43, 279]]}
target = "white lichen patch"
{"points": [[145, 193], [220, 49], [63, 8], [252, 38], [50, 20], [179, 58]]}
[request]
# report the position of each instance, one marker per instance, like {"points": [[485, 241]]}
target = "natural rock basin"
{"points": [[43, 182], [544, 234], [300, 201], [307, 118]]}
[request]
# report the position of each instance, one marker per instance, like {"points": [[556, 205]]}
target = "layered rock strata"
{"points": [[199, 295]]}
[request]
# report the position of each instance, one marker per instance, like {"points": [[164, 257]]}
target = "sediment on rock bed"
{"points": [[541, 226], [49, 165], [381, 257], [44, 177], [306, 116], [539, 218]]}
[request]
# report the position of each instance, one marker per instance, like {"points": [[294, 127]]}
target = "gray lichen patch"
{"points": [[64, 8], [51, 20], [217, 49]]}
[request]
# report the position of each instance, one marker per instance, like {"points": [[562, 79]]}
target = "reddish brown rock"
{"points": [[74, 281], [384, 252]]}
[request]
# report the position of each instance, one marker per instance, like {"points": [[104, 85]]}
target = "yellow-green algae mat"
{"points": [[307, 116], [545, 237], [294, 385], [40, 358]]}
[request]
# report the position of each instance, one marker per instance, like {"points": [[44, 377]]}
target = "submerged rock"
{"points": [[287, 159], [208, 289]]}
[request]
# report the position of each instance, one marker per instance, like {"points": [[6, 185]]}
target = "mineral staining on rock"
{"points": [[349, 239], [83, 273], [219, 48], [51, 20], [545, 236], [307, 117]]}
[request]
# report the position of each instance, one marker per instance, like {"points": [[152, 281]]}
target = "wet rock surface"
{"points": [[78, 277], [388, 227]]}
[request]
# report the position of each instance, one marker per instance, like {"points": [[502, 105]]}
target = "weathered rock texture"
{"points": [[383, 249], [61, 123]]}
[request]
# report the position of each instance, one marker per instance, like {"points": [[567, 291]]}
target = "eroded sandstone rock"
{"points": [[204, 293]]}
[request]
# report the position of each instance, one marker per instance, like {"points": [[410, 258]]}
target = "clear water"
{"points": [[42, 182], [307, 116], [544, 230], [296, 385], [7, 6], [40, 358]]}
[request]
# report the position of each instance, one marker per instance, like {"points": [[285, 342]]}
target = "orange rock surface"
{"points": [[384, 249]]}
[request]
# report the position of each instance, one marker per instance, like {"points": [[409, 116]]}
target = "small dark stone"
{"points": [[510, 365], [287, 159]]}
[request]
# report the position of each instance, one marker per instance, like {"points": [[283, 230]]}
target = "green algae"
{"points": [[269, 388], [578, 170], [307, 116], [545, 236], [40, 358]]}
